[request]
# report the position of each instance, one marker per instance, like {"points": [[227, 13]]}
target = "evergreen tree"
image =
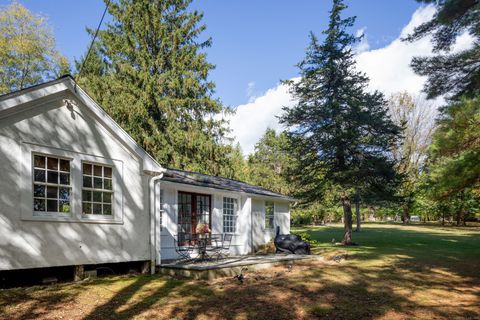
{"points": [[455, 151], [456, 74], [341, 133], [149, 71], [27, 50]]}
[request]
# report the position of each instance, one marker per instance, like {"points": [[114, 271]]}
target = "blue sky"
{"points": [[257, 43], [254, 42]]}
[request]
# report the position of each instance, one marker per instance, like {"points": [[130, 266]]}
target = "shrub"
{"points": [[308, 238]]}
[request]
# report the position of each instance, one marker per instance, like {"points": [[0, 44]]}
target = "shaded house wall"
{"points": [[28, 241], [261, 234], [58, 119], [250, 231]]}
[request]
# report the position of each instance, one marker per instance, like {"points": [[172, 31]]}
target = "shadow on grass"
{"points": [[38, 305], [394, 273], [311, 290], [114, 308]]}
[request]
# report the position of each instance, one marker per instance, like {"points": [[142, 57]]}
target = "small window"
{"points": [[51, 184], [97, 191], [162, 199], [269, 214], [229, 214]]}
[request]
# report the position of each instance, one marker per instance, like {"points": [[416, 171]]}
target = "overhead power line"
{"points": [[93, 40]]}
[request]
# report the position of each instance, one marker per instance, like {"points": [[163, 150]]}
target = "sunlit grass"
{"points": [[396, 272]]}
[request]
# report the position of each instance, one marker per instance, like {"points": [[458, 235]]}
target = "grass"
{"points": [[397, 272]]}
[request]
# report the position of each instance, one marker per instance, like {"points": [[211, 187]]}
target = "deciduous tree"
{"points": [[27, 49], [417, 116]]}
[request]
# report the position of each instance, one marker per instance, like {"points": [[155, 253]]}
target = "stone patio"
{"points": [[231, 266]]}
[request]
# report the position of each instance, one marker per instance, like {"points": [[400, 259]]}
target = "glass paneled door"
{"points": [[193, 209]]}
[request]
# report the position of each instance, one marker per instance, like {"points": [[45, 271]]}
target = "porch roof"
{"points": [[204, 180]]}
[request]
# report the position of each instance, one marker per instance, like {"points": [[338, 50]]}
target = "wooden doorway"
{"points": [[193, 209]]}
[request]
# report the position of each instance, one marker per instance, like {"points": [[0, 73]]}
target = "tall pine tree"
{"points": [[455, 74], [341, 133], [148, 69]]}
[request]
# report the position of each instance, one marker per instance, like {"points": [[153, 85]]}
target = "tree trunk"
{"points": [[357, 212], [443, 217], [459, 217], [347, 220], [406, 214]]}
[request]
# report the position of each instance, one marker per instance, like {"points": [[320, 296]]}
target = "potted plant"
{"points": [[202, 229]]}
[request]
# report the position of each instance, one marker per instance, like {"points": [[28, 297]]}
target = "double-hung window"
{"points": [[162, 199], [229, 214], [269, 214], [97, 191], [51, 184]]}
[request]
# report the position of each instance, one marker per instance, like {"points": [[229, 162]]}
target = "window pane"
{"points": [[52, 163], [65, 178], [107, 209], [39, 204], [87, 207], [64, 193], [39, 191], [97, 171], [39, 162], [39, 175], [107, 184], [87, 169], [64, 206], [87, 181], [97, 196], [98, 202], [52, 192], [65, 165], [52, 205], [107, 172], [97, 183], [269, 207], [52, 177], [97, 208], [86, 195], [107, 197]]}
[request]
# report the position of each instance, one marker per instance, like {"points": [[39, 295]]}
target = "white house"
{"points": [[75, 189]]}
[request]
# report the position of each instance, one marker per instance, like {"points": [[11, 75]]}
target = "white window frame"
{"points": [[162, 209], [231, 229], [46, 184], [103, 204], [267, 216], [25, 167]]}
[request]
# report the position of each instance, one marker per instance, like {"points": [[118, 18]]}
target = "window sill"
{"points": [[71, 219]]}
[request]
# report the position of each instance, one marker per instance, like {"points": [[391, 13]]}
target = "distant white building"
{"points": [[76, 189]]}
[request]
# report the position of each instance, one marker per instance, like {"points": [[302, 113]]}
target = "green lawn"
{"points": [[396, 272]]}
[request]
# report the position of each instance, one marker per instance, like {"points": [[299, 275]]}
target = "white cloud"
{"points": [[388, 69], [252, 119], [250, 91], [363, 45]]}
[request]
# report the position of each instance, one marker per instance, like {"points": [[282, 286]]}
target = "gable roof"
{"points": [[25, 99], [204, 180]]}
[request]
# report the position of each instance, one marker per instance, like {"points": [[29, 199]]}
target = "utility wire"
{"points": [[93, 40]]}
